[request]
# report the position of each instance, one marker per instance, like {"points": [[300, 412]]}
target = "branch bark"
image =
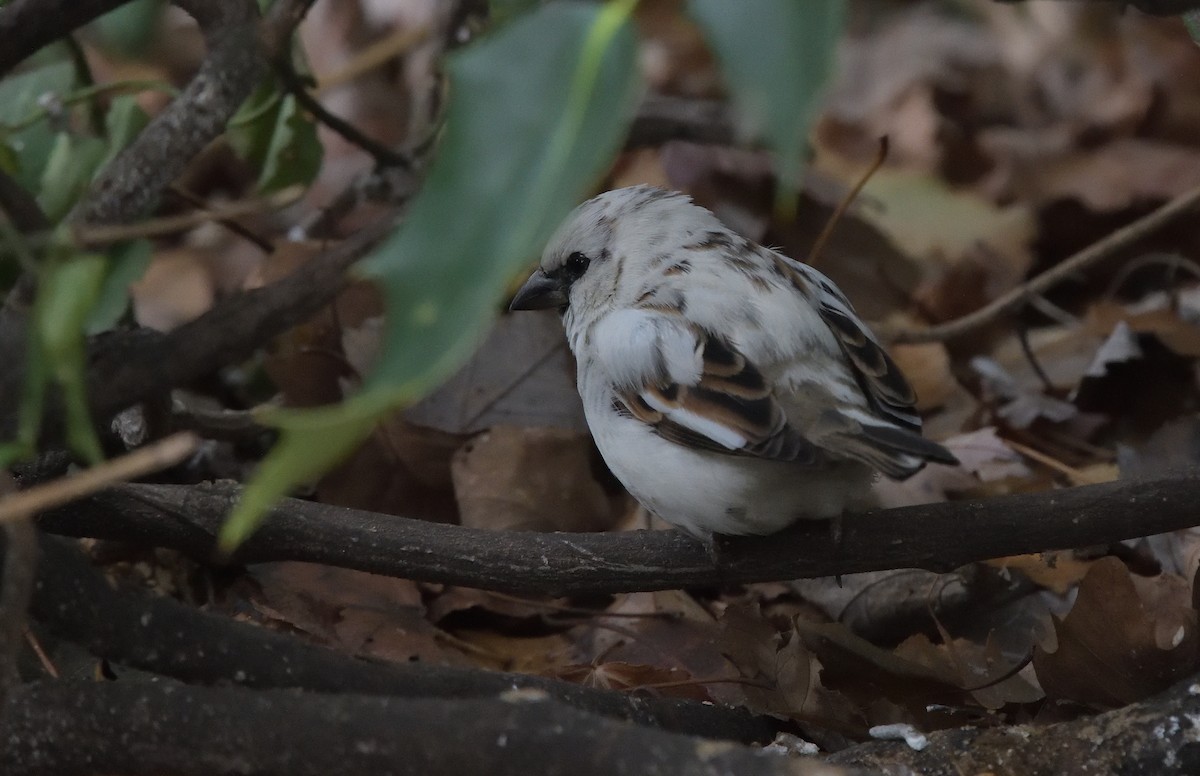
{"points": [[130, 187], [1159, 736], [130, 728], [128, 367], [162, 636], [938, 537]]}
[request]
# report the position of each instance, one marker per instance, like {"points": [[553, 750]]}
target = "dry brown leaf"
{"points": [[1151, 316], [863, 671], [1058, 572], [522, 375], [686, 640], [1118, 645], [399, 470], [176, 288], [1115, 176], [671, 682], [530, 479], [979, 668], [359, 613]]}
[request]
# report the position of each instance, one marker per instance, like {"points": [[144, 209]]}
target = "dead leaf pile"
{"points": [[1019, 134]]}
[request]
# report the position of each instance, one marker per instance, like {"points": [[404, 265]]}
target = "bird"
{"points": [[732, 390]]}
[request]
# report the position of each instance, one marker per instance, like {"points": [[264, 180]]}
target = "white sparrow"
{"points": [[731, 389]]}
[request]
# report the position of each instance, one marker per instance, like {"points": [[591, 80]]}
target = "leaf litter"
{"points": [[1018, 135]]}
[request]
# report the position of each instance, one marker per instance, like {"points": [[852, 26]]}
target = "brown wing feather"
{"points": [[732, 393], [882, 382]]}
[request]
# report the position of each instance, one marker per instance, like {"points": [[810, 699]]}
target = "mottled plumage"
{"points": [[731, 389]]}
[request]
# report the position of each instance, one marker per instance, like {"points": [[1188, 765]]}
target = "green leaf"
{"points": [[128, 30], [776, 56], [537, 112], [72, 164], [1191, 20], [67, 293], [250, 130], [504, 11], [123, 122], [293, 155], [11, 452], [30, 141], [280, 140], [127, 262]]}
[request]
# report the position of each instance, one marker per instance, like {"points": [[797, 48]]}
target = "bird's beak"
{"points": [[540, 292]]}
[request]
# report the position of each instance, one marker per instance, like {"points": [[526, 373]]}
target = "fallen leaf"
{"points": [[1101, 665], [532, 479], [522, 375]]}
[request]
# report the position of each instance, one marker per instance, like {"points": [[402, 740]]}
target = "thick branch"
{"points": [[28, 25], [130, 187], [128, 367], [131, 728], [1159, 736], [932, 536], [162, 636]]}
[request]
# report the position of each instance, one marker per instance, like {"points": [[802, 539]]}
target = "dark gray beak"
{"points": [[540, 292]]}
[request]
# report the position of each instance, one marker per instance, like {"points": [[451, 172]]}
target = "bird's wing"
{"points": [[886, 434], [882, 382], [693, 388]]}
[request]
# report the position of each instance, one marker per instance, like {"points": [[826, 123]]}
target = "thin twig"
{"points": [[240, 230], [1031, 358], [157, 227], [294, 83], [819, 244], [374, 56], [143, 461], [36, 645], [1172, 261], [1122, 238]]}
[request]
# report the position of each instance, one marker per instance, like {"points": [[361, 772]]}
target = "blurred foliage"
{"points": [[776, 56], [129, 30], [1191, 20], [537, 111], [277, 138], [26, 138]]}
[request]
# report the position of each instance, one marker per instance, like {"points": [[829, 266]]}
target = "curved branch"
{"points": [[1010, 302], [128, 367], [294, 84], [131, 185], [937, 537]]}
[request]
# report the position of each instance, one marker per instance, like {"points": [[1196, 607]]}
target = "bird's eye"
{"points": [[577, 264]]}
